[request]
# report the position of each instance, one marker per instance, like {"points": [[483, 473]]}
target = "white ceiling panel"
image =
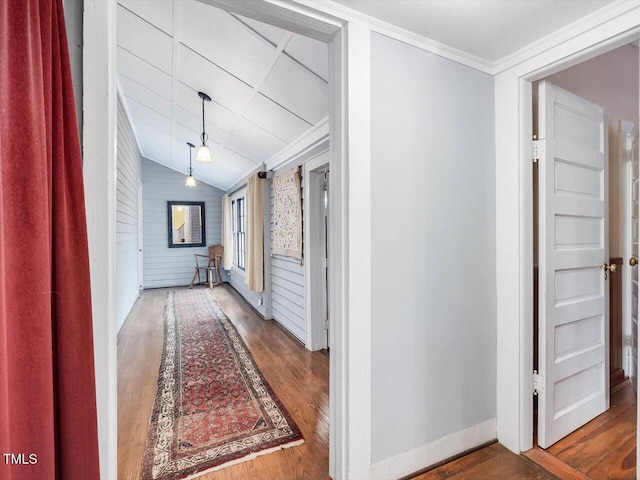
{"points": [[204, 76], [144, 73], [156, 144], [266, 144], [225, 41], [157, 13], [149, 115], [193, 123], [142, 94], [270, 116], [236, 62], [231, 158], [271, 33], [215, 114], [247, 150], [144, 40], [297, 89], [311, 53]]}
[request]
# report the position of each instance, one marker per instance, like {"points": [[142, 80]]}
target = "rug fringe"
{"points": [[246, 458]]}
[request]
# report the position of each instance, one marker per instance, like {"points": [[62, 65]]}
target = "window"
{"points": [[238, 208]]}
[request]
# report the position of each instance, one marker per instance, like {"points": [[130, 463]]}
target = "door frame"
{"points": [[585, 39], [350, 237], [314, 291], [625, 214]]}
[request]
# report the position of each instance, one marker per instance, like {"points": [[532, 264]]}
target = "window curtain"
{"points": [[227, 233], [47, 383], [254, 255]]}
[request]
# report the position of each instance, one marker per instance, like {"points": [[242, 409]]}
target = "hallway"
{"points": [[300, 379]]}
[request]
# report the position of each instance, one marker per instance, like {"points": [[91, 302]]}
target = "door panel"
{"points": [[573, 247]]}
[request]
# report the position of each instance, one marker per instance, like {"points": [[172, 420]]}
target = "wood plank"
{"points": [[300, 379], [621, 401], [554, 465], [592, 449], [490, 463], [620, 465]]}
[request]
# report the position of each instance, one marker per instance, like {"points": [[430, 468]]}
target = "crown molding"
{"points": [[602, 16], [595, 19], [344, 13]]}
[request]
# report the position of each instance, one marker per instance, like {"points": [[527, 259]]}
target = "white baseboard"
{"points": [[434, 452]]}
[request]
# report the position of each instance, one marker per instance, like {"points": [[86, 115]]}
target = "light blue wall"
{"points": [[164, 266], [433, 243]]}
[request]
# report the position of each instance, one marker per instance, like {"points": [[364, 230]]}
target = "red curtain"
{"points": [[48, 427]]}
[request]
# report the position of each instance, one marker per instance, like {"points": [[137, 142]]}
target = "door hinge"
{"points": [[538, 383], [538, 149]]}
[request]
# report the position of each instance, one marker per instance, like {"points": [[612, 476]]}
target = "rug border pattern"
{"points": [[157, 461]]}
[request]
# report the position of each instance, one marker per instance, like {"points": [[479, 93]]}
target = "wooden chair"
{"points": [[209, 265]]}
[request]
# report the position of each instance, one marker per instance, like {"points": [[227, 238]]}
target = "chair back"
{"points": [[215, 251]]}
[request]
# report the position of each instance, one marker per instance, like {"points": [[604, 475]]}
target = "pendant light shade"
{"points": [[204, 154], [191, 182]]}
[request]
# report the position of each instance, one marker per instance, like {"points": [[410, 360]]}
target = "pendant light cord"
{"points": [[204, 135]]}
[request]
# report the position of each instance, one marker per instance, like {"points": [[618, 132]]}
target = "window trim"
{"points": [[240, 195]]}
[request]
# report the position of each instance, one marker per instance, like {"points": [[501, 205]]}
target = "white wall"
{"points": [[129, 171], [433, 241], [164, 266], [611, 81]]}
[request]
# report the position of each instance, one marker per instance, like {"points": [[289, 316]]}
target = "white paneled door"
{"points": [[573, 364]]}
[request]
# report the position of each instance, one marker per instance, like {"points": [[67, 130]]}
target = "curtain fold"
{"points": [[227, 233], [254, 255], [47, 379]]}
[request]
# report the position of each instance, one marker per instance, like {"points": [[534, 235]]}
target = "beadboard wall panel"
{"points": [[164, 266], [129, 171], [255, 299]]}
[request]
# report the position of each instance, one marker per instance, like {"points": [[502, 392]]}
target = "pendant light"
{"points": [[191, 182], [204, 154]]}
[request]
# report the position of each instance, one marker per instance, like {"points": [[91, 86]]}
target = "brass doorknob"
{"points": [[609, 268], [633, 261]]}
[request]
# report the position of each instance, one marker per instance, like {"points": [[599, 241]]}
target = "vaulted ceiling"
{"points": [[268, 86]]}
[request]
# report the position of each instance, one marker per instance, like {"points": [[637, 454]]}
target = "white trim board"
{"points": [[100, 129], [514, 209], [315, 299], [431, 453]]}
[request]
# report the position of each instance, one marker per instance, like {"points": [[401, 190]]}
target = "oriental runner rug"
{"points": [[213, 408]]}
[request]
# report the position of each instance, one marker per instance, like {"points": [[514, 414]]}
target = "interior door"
{"points": [[635, 234], [573, 251]]}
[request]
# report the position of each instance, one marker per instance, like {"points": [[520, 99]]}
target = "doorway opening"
{"points": [[585, 304], [316, 242]]}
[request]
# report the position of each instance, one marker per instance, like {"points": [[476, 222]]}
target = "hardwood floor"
{"points": [[604, 448], [494, 462], [300, 379]]}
